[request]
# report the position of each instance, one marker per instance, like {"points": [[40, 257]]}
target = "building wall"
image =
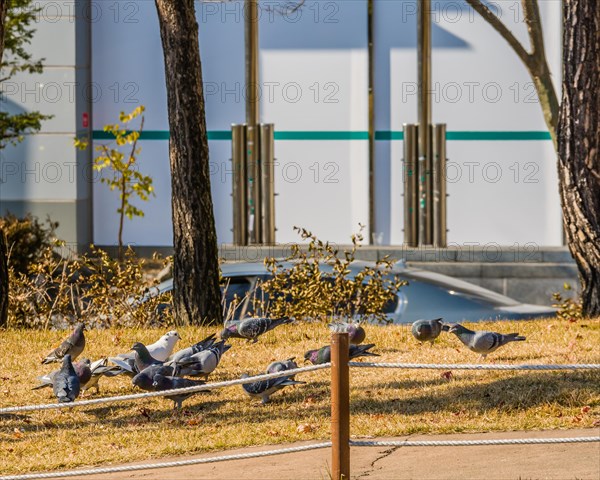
{"points": [[314, 67], [44, 174]]}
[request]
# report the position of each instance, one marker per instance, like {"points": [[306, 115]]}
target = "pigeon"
{"points": [[98, 369], [323, 355], [82, 370], [252, 328], [162, 382], [202, 363], [141, 358], [66, 383], [356, 333], [265, 388], [197, 347], [428, 330], [160, 350], [73, 346], [282, 365], [145, 378], [481, 341]]}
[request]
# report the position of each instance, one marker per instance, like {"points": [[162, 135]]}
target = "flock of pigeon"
{"points": [[155, 367]]}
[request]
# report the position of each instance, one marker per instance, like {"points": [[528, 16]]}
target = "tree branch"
{"points": [[497, 24], [533, 20]]}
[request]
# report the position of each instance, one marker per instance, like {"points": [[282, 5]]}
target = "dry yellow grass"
{"points": [[383, 402]]}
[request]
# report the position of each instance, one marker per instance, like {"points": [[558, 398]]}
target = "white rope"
{"points": [[164, 393], [179, 463], [466, 443], [466, 366]]}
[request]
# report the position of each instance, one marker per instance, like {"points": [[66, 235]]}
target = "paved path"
{"points": [[514, 462]]}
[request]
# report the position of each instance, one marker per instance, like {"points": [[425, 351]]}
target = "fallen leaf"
{"points": [[305, 428], [586, 409], [596, 423], [18, 433], [447, 375], [193, 422], [576, 419]]}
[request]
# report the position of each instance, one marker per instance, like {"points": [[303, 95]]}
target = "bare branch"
{"points": [[533, 20], [497, 24]]}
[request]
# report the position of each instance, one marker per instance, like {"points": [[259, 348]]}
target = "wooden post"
{"points": [[340, 407]]}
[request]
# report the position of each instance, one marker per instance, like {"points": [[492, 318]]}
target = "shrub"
{"points": [[319, 284], [569, 308], [28, 239], [95, 289]]}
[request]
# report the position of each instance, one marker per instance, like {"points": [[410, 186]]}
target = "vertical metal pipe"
{"points": [[252, 85], [239, 194], [267, 148], [411, 186], [424, 90], [371, 55], [340, 407], [254, 170], [253, 119], [439, 211]]}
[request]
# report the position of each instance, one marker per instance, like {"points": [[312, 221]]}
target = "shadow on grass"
{"points": [[510, 394]]}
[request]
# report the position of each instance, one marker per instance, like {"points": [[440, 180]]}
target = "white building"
{"points": [[103, 57]]}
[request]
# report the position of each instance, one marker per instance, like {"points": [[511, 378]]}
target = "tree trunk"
{"points": [[578, 138], [3, 250], [3, 281], [196, 297]]}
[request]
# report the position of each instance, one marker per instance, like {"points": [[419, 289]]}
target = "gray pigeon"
{"points": [[99, 369], [356, 333], [323, 354], [82, 369], [73, 346], [265, 388], [145, 379], [282, 365], [202, 363], [140, 359], [428, 330], [481, 341], [196, 348], [66, 383], [252, 328], [162, 382]]}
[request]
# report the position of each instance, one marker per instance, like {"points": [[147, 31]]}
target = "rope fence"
{"points": [[465, 366], [179, 463], [340, 414], [470, 443], [164, 393]]}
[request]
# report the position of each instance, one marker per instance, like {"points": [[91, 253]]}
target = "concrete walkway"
{"points": [[556, 461]]}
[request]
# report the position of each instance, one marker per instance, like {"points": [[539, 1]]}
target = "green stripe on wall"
{"points": [[385, 135]]}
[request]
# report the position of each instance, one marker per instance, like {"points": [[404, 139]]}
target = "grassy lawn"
{"points": [[383, 402]]}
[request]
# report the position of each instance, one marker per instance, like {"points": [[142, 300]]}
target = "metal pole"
{"points": [[253, 119], [254, 183], [267, 148], [252, 85], [340, 407], [240, 198], [439, 211], [371, 53], [411, 186], [424, 89]]}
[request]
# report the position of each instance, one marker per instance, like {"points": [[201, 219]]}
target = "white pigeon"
{"points": [[164, 346], [160, 350]]}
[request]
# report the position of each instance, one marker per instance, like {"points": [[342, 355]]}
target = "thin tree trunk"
{"points": [[3, 250], [197, 297], [578, 140], [3, 281]]}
